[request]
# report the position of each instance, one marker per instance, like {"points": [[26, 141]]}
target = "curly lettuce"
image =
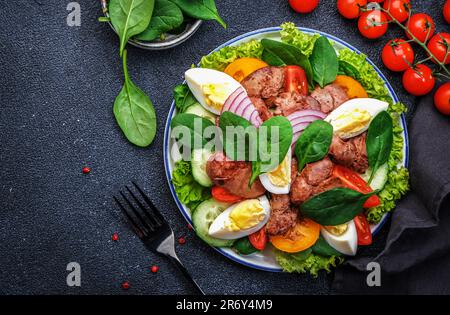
{"points": [[187, 189], [292, 35], [313, 263]]}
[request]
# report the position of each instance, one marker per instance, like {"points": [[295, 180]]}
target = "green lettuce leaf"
{"points": [[313, 263], [291, 35], [188, 190]]}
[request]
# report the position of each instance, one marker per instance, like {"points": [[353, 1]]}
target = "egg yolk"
{"points": [[337, 230], [216, 94], [246, 215], [352, 121], [280, 176]]}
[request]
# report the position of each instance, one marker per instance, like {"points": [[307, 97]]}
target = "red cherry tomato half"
{"points": [[303, 6], [353, 181], [446, 11], [223, 195], [397, 55], [258, 239], [439, 45], [399, 9], [363, 230], [372, 24], [350, 9], [419, 80], [442, 98], [377, 1], [295, 80], [422, 26]]}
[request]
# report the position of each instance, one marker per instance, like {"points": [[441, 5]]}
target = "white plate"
{"points": [[265, 260]]}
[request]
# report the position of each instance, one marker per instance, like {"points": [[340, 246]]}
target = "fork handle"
{"points": [[186, 273]]}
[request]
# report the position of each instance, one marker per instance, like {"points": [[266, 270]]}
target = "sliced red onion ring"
{"points": [[301, 119], [240, 104]]}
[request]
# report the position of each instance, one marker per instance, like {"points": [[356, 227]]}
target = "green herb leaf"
{"points": [[200, 9], [314, 143], [166, 16], [134, 111], [195, 125], [321, 247], [130, 17], [279, 54], [324, 62], [379, 141], [183, 97], [244, 247], [335, 206], [348, 69]]}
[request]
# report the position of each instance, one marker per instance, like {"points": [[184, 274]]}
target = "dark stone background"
{"points": [[58, 84]]}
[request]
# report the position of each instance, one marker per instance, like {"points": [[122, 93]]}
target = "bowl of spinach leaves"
{"points": [[171, 21]]}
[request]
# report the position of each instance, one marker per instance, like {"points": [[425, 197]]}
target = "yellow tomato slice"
{"points": [[300, 237], [353, 88], [242, 67]]}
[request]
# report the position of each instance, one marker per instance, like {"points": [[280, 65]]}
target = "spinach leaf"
{"points": [[348, 69], [134, 111], [195, 128], [302, 256], [379, 141], [314, 143], [130, 17], [183, 97], [200, 9], [244, 247], [335, 206], [279, 54], [324, 62], [238, 137], [166, 16], [321, 247]]}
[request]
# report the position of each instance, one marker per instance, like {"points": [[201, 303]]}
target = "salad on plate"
{"points": [[289, 147]]}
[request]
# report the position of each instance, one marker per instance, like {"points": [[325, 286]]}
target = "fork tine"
{"points": [[146, 227], [133, 223], [150, 203], [153, 222]]}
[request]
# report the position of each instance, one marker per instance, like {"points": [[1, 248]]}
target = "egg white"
{"points": [[218, 228], [346, 243], [371, 105], [197, 77], [279, 190]]}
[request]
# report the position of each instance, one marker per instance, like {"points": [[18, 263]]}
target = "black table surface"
{"points": [[58, 84]]}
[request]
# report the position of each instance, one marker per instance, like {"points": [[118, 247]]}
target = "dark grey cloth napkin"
{"points": [[416, 256]]}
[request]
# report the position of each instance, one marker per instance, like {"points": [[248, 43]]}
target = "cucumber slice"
{"points": [[380, 178], [203, 217], [199, 159], [199, 110]]}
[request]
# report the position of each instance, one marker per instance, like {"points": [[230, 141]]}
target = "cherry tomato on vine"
{"points": [[439, 44], [399, 9], [372, 24], [397, 55], [418, 80], [350, 9], [303, 6], [442, 98], [446, 11], [422, 26]]}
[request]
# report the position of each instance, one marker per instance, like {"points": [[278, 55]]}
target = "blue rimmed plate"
{"points": [[265, 260]]}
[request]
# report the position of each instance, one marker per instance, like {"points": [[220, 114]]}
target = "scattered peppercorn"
{"points": [[182, 241], [154, 269], [125, 285], [115, 237], [86, 170]]}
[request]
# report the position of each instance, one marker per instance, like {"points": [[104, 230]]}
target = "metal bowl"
{"points": [[171, 40]]}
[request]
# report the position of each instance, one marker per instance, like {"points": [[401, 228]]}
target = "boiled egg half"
{"points": [[342, 238], [278, 181], [241, 219], [354, 116], [210, 87]]}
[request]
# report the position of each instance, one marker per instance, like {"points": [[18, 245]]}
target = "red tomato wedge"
{"points": [[295, 80], [363, 230], [223, 195], [353, 181], [258, 239]]}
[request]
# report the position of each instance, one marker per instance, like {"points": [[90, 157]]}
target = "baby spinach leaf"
{"points": [[321, 247], [348, 69], [314, 143], [335, 206], [195, 125], [200, 9], [183, 97], [130, 17], [324, 62], [279, 54], [166, 16], [134, 111], [379, 141]]}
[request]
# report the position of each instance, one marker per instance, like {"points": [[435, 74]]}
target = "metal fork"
{"points": [[151, 227]]}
